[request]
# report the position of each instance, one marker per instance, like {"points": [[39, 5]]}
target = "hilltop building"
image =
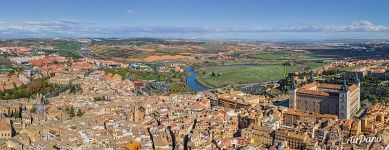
{"points": [[341, 100]]}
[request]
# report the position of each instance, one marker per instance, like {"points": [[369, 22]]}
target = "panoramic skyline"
{"points": [[194, 74], [280, 19]]}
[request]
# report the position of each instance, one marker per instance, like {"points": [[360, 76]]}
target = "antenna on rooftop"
{"points": [[344, 86], [357, 80]]}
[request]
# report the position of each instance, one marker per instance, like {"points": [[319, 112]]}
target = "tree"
{"points": [[213, 74], [79, 113], [71, 112], [16, 114], [20, 112], [9, 112], [33, 109], [12, 114]]}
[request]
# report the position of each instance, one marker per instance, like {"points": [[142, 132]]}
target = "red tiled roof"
{"points": [[4, 126], [330, 86], [312, 92]]}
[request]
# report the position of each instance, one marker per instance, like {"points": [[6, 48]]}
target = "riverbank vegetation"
{"points": [[39, 86], [174, 80], [134, 75], [374, 91]]}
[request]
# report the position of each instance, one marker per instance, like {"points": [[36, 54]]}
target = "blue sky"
{"points": [[213, 19]]}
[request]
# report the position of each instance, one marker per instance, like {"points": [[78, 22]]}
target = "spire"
{"points": [[293, 86], [344, 86], [357, 81], [311, 78]]}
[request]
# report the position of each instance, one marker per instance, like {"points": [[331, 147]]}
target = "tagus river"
{"points": [[191, 80]]}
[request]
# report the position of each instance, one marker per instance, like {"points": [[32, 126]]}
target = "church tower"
{"points": [[344, 106], [292, 95]]}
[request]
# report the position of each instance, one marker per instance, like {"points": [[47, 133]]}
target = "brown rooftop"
{"points": [[329, 86], [4, 126], [308, 114], [352, 87], [312, 92], [314, 88], [297, 136]]}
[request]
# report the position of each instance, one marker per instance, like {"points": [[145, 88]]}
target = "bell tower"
{"points": [[292, 95], [344, 112]]}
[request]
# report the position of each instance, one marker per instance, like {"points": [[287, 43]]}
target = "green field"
{"points": [[316, 65], [66, 50], [271, 56], [241, 74], [284, 56], [68, 47]]}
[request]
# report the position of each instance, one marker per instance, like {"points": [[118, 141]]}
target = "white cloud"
{"points": [[64, 27], [355, 26], [130, 12], [133, 12], [76, 28]]}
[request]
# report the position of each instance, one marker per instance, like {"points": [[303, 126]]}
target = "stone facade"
{"points": [[342, 100]]}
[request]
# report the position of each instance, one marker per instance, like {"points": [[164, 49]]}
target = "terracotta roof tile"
{"points": [[4, 126]]}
